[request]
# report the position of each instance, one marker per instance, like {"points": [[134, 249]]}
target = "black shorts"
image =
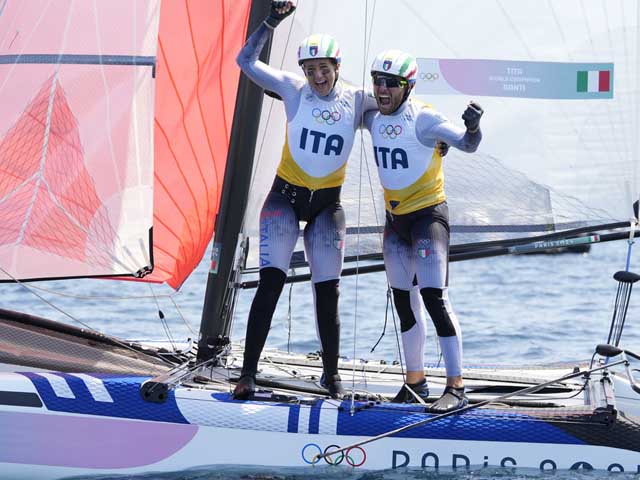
{"points": [[404, 224], [306, 203]]}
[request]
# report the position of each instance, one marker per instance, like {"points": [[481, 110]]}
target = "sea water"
{"points": [[512, 310], [347, 473], [516, 310]]}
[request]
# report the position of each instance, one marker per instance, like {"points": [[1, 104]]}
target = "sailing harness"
{"points": [[306, 203]]}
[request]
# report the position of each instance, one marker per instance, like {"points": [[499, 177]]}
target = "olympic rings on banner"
{"points": [[429, 76], [325, 116], [390, 131], [355, 456]]}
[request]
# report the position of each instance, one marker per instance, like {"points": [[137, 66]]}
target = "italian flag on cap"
{"points": [[594, 81]]}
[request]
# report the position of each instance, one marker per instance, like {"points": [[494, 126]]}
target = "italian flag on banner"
{"points": [[594, 81]]}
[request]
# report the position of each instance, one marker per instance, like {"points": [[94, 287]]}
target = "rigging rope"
{"points": [[364, 165], [163, 321], [395, 327], [102, 297], [384, 327], [368, 29], [110, 298], [71, 317], [182, 317], [258, 156], [355, 313]]}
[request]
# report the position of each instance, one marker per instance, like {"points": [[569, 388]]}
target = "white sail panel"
{"points": [[76, 137], [543, 165]]}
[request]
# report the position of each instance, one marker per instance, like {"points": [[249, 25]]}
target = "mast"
{"points": [[215, 323]]}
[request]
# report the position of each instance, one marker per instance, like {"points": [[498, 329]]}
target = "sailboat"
{"points": [[128, 140]]}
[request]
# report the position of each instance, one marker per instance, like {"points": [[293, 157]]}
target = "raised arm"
{"points": [[431, 127], [285, 84]]}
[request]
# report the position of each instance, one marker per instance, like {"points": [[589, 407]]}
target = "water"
{"points": [[325, 473], [513, 310]]}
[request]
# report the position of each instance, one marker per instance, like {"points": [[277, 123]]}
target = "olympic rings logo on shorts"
{"points": [[390, 131], [325, 116], [354, 456], [429, 76]]}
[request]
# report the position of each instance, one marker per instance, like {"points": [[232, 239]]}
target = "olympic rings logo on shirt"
{"points": [[325, 116], [354, 456], [429, 76], [390, 131]]}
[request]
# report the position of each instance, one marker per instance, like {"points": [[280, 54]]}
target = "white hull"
{"points": [[214, 447], [56, 425]]}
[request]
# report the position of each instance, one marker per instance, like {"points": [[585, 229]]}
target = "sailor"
{"points": [[323, 114], [416, 234]]}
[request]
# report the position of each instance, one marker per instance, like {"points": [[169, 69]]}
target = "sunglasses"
{"points": [[389, 81]]}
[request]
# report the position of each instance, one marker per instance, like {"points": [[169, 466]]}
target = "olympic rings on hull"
{"points": [[354, 457], [390, 131], [325, 116]]}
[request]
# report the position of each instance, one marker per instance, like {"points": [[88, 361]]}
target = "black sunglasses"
{"points": [[389, 81]]}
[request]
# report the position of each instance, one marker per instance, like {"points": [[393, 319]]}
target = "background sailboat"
{"points": [[515, 188]]}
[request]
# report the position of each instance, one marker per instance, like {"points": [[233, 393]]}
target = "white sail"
{"points": [[76, 137], [545, 164]]}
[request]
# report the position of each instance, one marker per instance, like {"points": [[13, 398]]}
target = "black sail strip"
{"points": [[77, 59]]}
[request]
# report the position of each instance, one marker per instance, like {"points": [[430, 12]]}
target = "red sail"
{"points": [[197, 79]]}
